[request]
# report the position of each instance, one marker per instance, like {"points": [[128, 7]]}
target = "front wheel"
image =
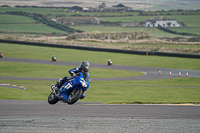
{"points": [[52, 99], [74, 96]]}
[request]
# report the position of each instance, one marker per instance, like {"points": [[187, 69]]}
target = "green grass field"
{"points": [[33, 52], [35, 28], [6, 18], [188, 30], [16, 23], [180, 90], [189, 20], [53, 71]]}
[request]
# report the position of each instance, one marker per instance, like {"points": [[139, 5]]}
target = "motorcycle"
{"points": [[1, 55], [71, 91]]}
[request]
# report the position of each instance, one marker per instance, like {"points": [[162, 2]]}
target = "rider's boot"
{"points": [[83, 96], [55, 87]]}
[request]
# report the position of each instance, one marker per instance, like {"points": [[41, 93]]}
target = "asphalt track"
{"points": [[18, 116]]}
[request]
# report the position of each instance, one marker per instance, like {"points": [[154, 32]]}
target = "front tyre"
{"points": [[74, 96], [52, 99]]}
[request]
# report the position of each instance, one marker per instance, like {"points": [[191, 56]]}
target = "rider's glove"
{"points": [[73, 74]]}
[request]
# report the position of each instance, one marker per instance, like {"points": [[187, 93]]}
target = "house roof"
{"points": [[76, 8], [159, 19], [119, 5]]}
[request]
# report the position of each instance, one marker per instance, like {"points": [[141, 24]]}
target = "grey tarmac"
{"points": [[18, 116]]}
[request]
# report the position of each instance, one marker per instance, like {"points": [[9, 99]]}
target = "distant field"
{"points": [[152, 31], [6, 18], [194, 30], [43, 11], [37, 28], [28, 27], [189, 20], [16, 23], [63, 11], [124, 19]]}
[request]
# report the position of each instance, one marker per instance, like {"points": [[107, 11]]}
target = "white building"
{"points": [[164, 22]]}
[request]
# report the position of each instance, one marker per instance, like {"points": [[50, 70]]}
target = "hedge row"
{"points": [[175, 32]]}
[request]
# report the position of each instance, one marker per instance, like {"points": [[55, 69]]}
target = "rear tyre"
{"points": [[52, 99], [74, 96]]}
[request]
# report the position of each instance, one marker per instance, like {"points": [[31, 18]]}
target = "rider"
{"points": [[1, 55], [84, 68]]}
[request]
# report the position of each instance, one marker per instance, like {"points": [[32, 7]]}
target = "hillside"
{"points": [[136, 5]]}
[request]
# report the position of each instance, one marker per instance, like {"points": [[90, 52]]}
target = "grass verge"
{"points": [[181, 90], [36, 52], [14, 69]]}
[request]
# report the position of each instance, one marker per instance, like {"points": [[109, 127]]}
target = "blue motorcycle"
{"points": [[71, 91]]}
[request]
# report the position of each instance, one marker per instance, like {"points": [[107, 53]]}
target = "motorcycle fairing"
{"points": [[77, 82]]}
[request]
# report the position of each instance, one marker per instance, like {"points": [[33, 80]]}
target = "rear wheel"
{"points": [[52, 99], [74, 96]]}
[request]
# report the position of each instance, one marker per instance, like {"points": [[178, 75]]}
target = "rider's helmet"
{"points": [[85, 65]]}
